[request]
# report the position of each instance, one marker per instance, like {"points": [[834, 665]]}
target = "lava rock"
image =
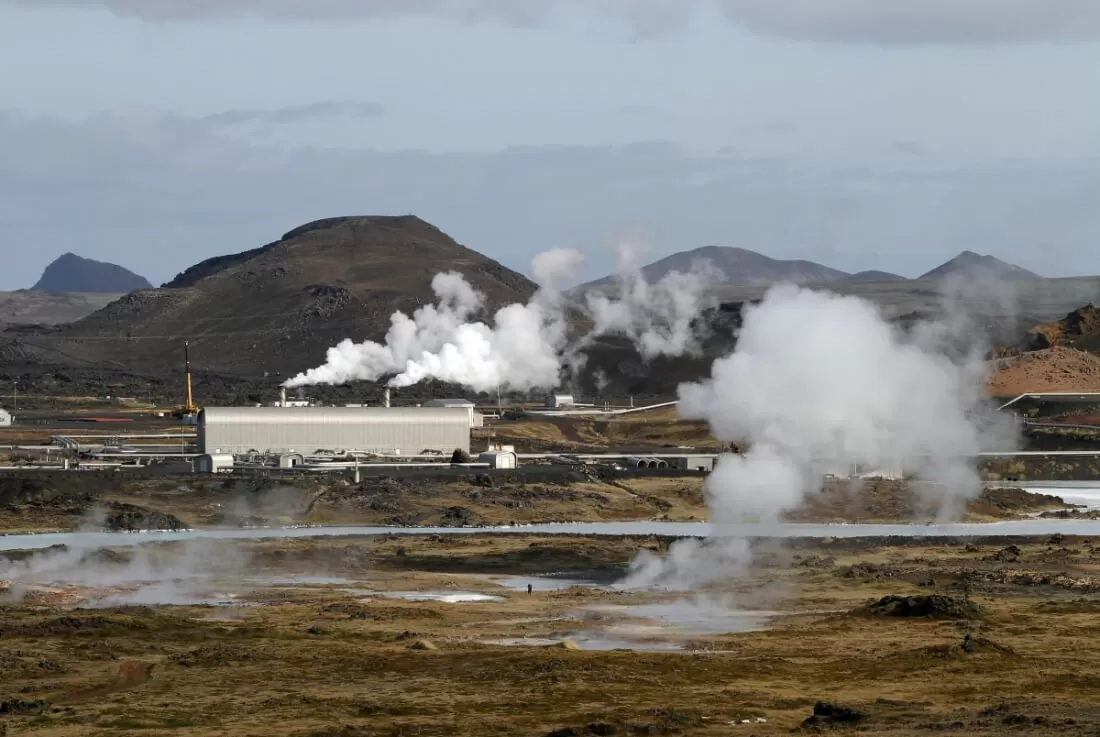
{"points": [[828, 715]]}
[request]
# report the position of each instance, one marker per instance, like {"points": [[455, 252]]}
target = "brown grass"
{"points": [[322, 662]]}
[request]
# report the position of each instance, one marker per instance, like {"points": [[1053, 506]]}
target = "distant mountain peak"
{"points": [[739, 266], [969, 263], [72, 273], [873, 276]]}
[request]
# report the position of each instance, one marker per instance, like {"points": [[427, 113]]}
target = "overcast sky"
{"points": [[887, 134]]}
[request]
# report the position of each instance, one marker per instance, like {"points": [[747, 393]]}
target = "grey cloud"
{"points": [[920, 21], [295, 113], [631, 111], [854, 21], [158, 194]]}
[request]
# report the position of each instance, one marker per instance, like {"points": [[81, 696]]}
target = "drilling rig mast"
{"points": [[189, 412]]}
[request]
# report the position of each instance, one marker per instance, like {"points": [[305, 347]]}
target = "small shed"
{"points": [[219, 463], [499, 459], [291, 460], [559, 401]]}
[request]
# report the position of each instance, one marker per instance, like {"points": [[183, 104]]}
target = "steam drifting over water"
{"points": [[820, 382], [525, 346]]}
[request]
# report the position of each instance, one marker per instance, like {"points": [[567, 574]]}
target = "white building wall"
{"points": [[5, 418], [406, 430]]}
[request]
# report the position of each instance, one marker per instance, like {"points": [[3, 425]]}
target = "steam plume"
{"points": [[820, 381], [525, 346], [659, 319]]}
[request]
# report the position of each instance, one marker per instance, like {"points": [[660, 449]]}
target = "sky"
{"points": [[863, 134]]}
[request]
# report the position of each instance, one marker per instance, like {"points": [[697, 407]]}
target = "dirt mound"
{"points": [[318, 285], [1009, 554], [1056, 369], [1080, 328], [934, 606]]}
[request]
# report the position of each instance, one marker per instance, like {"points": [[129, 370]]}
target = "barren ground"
{"points": [[338, 660], [69, 501]]}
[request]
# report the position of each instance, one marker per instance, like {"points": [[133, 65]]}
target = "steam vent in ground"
{"points": [[275, 310]]}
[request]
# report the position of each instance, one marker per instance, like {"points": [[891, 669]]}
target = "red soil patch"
{"points": [[1051, 370]]}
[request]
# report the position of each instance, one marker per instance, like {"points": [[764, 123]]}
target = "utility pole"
{"points": [[15, 386]]}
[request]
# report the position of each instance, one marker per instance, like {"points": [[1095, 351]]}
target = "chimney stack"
{"points": [[282, 396], [386, 397]]}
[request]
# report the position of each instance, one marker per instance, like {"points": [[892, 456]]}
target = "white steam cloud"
{"points": [[660, 319], [151, 574], [525, 346], [819, 382]]}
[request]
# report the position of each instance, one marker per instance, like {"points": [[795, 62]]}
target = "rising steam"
{"points": [[819, 382], [525, 346], [661, 318]]}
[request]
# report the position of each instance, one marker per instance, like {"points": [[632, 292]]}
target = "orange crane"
{"points": [[189, 411]]}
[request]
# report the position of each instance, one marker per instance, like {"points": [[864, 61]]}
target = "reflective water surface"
{"points": [[88, 540]]}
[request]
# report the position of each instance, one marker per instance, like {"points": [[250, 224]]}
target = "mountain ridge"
{"points": [[743, 267], [277, 309]]}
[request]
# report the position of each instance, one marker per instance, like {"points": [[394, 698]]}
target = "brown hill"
{"points": [[1078, 329], [276, 309], [1051, 370]]}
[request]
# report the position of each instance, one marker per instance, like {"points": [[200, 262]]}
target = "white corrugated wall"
{"points": [[407, 430]]}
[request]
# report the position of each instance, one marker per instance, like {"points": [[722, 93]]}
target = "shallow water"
{"points": [[91, 540], [296, 580], [592, 642], [700, 617], [446, 597], [542, 583]]}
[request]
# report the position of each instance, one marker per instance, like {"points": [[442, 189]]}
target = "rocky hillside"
{"points": [[27, 307], [1078, 329], [71, 273], [739, 266], [973, 265], [275, 310]]}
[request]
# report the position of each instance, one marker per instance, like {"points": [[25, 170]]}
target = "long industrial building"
{"points": [[307, 430]]}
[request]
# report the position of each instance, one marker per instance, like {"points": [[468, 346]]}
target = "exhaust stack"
{"points": [[386, 397], [282, 396]]}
